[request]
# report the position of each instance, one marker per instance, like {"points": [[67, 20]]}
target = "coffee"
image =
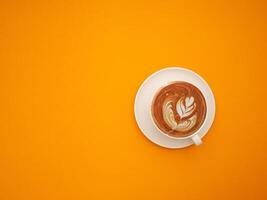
{"points": [[179, 109]]}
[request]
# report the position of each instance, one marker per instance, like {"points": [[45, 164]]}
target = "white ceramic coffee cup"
{"points": [[195, 137]]}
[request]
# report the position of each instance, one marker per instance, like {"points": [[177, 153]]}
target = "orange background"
{"points": [[69, 74]]}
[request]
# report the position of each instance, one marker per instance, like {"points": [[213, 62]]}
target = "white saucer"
{"points": [[146, 93]]}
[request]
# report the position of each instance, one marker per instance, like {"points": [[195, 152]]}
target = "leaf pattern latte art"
{"points": [[185, 106]]}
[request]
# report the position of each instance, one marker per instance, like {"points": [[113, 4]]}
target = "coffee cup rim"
{"points": [[179, 138]]}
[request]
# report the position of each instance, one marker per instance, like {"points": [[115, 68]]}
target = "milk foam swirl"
{"points": [[184, 107]]}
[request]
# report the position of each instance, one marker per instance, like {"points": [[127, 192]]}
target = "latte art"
{"points": [[183, 111], [179, 109]]}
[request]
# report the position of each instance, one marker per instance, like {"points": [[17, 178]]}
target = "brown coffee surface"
{"points": [[179, 109]]}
